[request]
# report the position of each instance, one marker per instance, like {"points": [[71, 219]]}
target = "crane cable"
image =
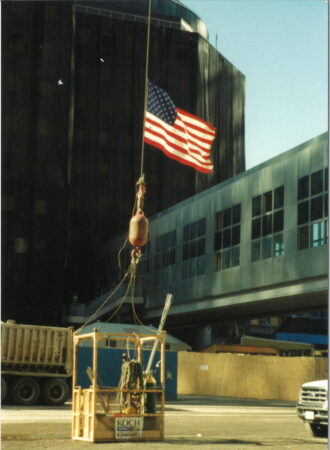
{"points": [[141, 178], [136, 317], [94, 315], [146, 86], [137, 255], [130, 271]]}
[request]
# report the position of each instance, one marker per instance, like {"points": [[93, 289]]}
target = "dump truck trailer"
{"points": [[285, 348], [36, 363]]}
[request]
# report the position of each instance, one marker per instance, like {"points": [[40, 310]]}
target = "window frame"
{"points": [[312, 209], [227, 237], [268, 225]]}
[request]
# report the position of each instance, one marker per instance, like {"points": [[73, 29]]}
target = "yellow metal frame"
{"points": [[95, 410]]}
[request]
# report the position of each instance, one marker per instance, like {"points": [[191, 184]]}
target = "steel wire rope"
{"points": [[141, 178], [146, 85], [92, 316], [135, 315], [132, 296], [131, 270], [121, 302], [144, 116]]}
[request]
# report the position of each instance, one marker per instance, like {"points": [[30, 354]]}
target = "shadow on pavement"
{"points": [[198, 441], [236, 443], [230, 401]]}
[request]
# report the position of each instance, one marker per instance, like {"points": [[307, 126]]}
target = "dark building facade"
{"points": [[72, 113]]}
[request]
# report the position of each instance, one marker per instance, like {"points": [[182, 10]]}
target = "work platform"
{"points": [[131, 411]]}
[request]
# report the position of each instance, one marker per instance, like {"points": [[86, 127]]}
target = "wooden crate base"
{"points": [[104, 429]]}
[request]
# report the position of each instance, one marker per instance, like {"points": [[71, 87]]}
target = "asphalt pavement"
{"points": [[209, 422]]}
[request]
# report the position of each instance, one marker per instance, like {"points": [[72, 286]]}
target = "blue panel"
{"points": [[306, 338], [109, 368], [84, 360]]}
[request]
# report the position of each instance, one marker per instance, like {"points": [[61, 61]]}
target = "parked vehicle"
{"points": [[312, 406], [36, 363]]}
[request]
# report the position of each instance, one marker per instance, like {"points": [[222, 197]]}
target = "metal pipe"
{"points": [[166, 309]]}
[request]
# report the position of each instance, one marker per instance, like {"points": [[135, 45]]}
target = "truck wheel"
{"points": [[4, 390], [319, 430], [55, 391], [25, 391]]}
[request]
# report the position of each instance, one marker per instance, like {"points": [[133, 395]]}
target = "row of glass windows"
{"points": [[313, 184], [268, 247], [313, 235], [165, 249], [270, 200], [312, 210], [267, 226], [193, 250], [227, 238]]}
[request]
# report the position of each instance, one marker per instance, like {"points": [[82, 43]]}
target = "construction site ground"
{"points": [[206, 422]]}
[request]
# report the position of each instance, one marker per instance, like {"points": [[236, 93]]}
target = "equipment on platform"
{"points": [[36, 361], [151, 398], [133, 410]]}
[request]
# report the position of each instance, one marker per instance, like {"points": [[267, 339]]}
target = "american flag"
{"points": [[180, 135]]}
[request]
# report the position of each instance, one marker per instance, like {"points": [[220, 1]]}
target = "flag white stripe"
{"points": [[172, 141], [173, 151], [189, 148], [180, 121], [198, 132], [202, 147], [196, 122], [192, 137]]}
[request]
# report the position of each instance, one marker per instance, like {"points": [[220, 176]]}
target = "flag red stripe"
{"points": [[184, 128], [195, 148], [179, 132], [197, 130], [206, 124], [175, 143], [192, 154], [161, 139], [157, 135], [187, 141], [177, 158]]}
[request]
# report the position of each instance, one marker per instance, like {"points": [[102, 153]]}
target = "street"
{"points": [[209, 422]]}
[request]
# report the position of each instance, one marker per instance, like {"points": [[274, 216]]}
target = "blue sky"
{"points": [[281, 46]]}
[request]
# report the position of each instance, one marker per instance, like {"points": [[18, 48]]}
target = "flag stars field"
{"points": [[179, 134]]}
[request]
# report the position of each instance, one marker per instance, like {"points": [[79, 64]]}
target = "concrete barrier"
{"points": [[247, 376]]}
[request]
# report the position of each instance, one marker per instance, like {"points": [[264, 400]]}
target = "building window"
{"points": [[165, 250], [312, 210], [227, 237], [267, 225], [165, 258], [193, 251]]}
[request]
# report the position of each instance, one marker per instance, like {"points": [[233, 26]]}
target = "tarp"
{"points": [[103, 327]]}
